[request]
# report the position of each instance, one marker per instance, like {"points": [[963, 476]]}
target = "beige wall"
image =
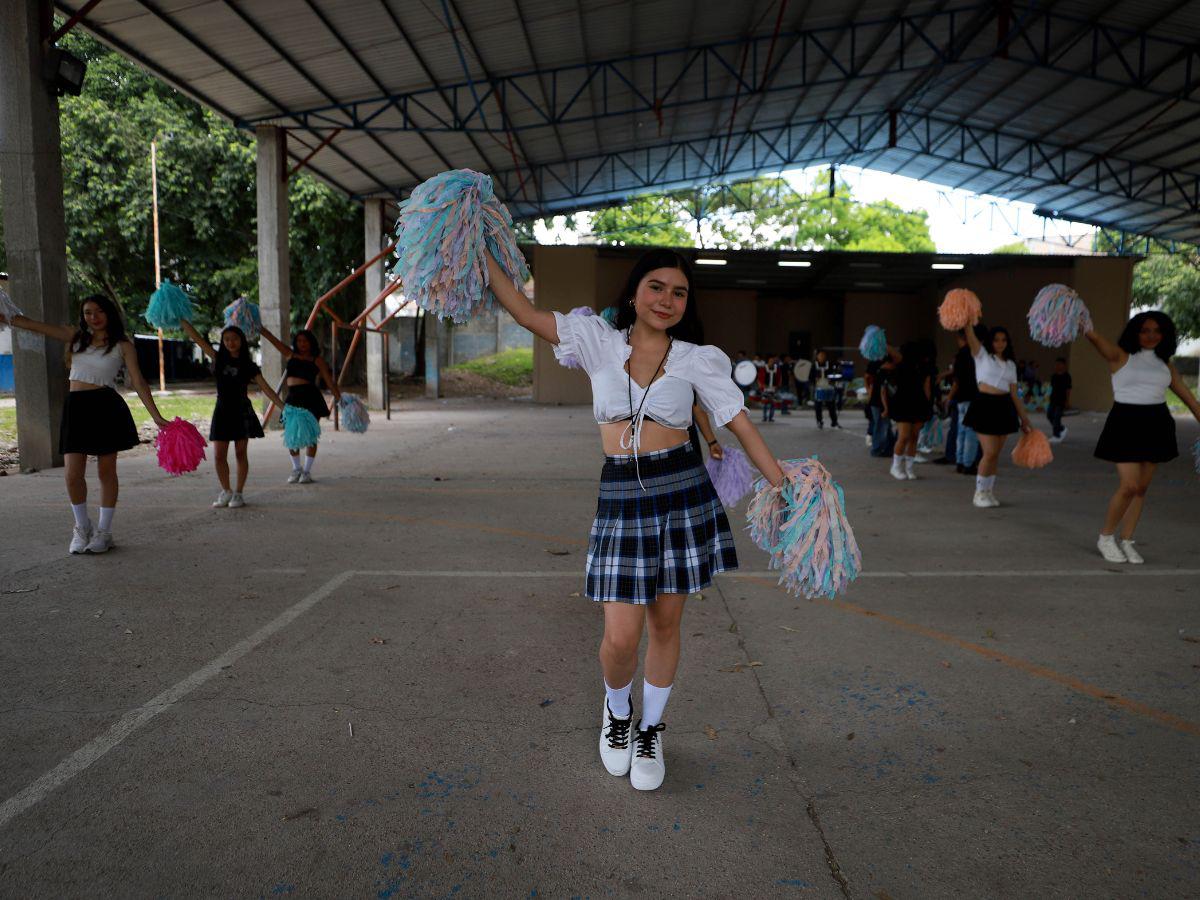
{"points": [[1105, 284], [564, 278], [730, 319], [779, 316], [904, 317]]}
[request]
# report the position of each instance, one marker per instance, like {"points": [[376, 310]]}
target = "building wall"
{"points": [[565, 277], [1105, 283]]}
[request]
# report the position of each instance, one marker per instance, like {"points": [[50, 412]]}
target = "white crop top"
{"points": [[95, 366], [603, 351], [1143, 380], [994, 371]]}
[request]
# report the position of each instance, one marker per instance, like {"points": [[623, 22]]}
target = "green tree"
{"points": [[1171, 282], [1016, 248], [653, 219]]}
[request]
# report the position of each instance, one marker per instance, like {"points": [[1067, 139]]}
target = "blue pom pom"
{"points": [[873, 344], [300, 428], [243, 314], [355, 417], [168, 306], [609, 315]]}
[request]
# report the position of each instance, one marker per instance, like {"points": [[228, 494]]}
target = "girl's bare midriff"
{"points": [[992, 390], [85, 386], [654, 437]]}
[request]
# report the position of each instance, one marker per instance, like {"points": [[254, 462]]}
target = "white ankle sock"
{"points": [[79, 511], [618, 700], [308, 463], [106, 517], [295, 458], [654, 701]]}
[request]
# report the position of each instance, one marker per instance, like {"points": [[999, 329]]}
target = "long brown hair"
{"points": [[114, 330]]}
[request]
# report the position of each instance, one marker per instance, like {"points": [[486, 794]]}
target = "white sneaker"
{"points": [[616, 748], [897, 470], [1107, 545], [868, 440], [305, 478], [991, 499], [981, 500], [295, 476], [223, 498], [648, 768], [1131, 553], [236, 500], [1063, 436], [101, 542], [920, 457], [79, 539], [908, 469]]}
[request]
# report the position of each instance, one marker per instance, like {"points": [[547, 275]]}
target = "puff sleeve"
{"points": [[581, 337], [711, 376]]}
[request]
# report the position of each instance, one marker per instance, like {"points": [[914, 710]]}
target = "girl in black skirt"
{"points": [[997, 410], [660, 532], [96, 420], [304, 365], [233, 419], [911, 404], [1140, 431]]}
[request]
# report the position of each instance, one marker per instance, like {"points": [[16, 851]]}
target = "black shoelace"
{"points": [[645, 740], [617, 734]]}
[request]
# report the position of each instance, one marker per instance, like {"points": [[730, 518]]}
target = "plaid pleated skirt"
{"points": [[666, 535]]}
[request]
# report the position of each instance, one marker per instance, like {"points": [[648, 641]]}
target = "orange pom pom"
{"points": [[1032, 451], [960, 309]]}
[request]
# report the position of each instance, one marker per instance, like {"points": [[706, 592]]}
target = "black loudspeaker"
{"points": [[64, 71]]}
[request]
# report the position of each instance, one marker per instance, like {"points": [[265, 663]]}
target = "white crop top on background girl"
{"points": [[603, 352], [994, 371], [1143, 380], [96, 366]]}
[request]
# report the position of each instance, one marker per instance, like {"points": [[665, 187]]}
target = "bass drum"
{"points": [[801, 369], [745, 373]]}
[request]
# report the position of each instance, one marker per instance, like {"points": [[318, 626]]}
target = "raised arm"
{"points": [[972, 341], [198, 338], [266, 388], [327, 375], [756, 448], [1183, 392], [276, 342], [139, 383], [62, 333], [539, 321], [1113, 355]]}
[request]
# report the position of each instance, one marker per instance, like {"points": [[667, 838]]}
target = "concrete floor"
{"points": [[384, 684]]}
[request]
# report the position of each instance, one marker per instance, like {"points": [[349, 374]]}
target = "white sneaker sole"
{"points": [[647, 781]]}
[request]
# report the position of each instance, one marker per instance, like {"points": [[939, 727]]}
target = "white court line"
{"points": [[1131, 571]]}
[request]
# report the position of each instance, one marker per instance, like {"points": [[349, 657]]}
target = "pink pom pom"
{"points": [[960, 309], [1032, 451], [180, 447]]}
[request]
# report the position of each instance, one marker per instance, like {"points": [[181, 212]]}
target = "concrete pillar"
{"points": [[34, 227], [373, 281], [274, 283], [435, 340]]}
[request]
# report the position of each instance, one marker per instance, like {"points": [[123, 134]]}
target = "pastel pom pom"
{"points": [[300, 428], [355, 417], [180, 447], [26, 340], [243, 314], [1057, 316], [932, 434], [569, 361], [960, 309], [444, 231], [1032, 451], [802, 525], [731, 475], [873, 345], [609, 315], [168, 306]]}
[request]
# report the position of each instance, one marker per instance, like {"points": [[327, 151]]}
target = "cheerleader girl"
{"points": [[96, 420], [304, 364], [660, 532], [911, 405], [1139, 432], [233, 418], [997, 410]]}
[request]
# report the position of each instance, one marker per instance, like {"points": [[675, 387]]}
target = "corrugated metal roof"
{"points": [[1088, 109]]}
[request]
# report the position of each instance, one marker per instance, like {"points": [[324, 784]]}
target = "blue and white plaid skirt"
{"points": [[668, 535]]}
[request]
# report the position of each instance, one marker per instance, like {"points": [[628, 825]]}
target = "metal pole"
{"points": [[162, 376], [387, 371], [333, 368]]}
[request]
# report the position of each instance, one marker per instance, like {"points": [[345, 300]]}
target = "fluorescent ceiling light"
{"points": [[710, 261], [947, 266], [795, 263]]}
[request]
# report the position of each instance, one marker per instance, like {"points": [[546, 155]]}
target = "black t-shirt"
{"points": [[964, 376], [233, 374], [875, 370], [1059, 385]]}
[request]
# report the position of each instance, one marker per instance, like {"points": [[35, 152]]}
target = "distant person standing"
{"points": [[801, 372], [966, 389], [824, 395], [770, 377], [882, 436], [1060, 398]]}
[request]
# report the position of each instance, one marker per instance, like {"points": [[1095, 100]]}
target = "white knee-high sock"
{"points": [[654, 701], [618, 700], [106, 517], [82, 520], [295, 458], [308, 463]]}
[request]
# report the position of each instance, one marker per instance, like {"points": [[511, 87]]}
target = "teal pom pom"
{"points": [[243, 314], [168, 306], [300, 428], [609, 315], [873, 345], [355, 417]]}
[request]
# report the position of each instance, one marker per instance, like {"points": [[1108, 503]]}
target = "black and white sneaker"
{"points": [[649, 767], [615, 745]]}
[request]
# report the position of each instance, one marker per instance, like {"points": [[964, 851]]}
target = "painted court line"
{"points": [[1127, 572]]}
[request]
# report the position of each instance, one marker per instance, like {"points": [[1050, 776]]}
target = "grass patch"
{"points": [[194, 407], [512, 367]]}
